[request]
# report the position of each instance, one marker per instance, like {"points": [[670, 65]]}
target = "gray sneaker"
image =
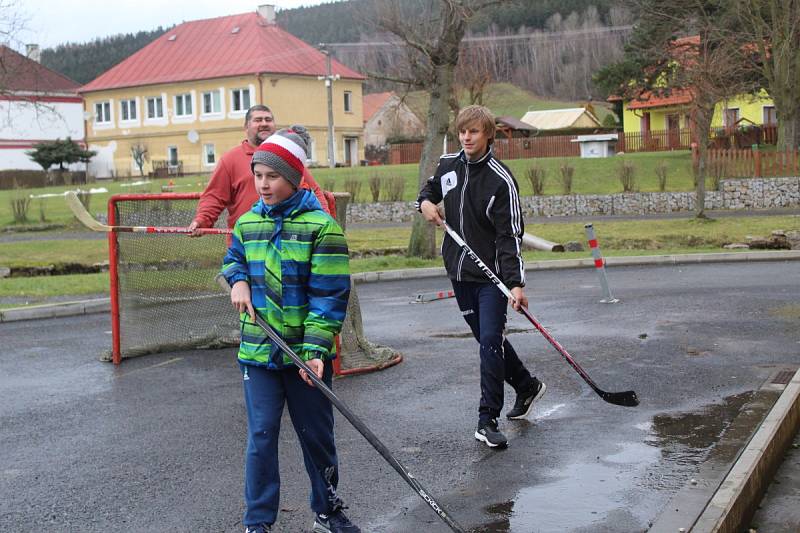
{"points": [[488, 433]]}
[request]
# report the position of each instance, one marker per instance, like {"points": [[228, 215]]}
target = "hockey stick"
{"points": [[90, 222], [353, 419], [627, 398]]}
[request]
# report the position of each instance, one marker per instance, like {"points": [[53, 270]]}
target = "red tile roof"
{"points": [[19, 73], [214, 48], [371, 103], [648, 99]]}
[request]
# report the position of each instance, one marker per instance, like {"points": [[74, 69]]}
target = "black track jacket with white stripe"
{"points": [[481, 203]]}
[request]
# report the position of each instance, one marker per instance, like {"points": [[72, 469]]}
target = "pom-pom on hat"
{"points": [[284, 152]]}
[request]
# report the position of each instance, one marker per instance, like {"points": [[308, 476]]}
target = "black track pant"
{"points": [[484, 308]]}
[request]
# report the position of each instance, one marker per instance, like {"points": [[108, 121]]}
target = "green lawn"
{"points": [[41, 253], [617, 238], [55, 208], [592, 176]]}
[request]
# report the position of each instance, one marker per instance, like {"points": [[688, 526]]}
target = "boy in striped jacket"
{"points": [[481, 203], [288, 262]]}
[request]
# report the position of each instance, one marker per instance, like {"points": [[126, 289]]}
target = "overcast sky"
{"points": [[52, 22]]}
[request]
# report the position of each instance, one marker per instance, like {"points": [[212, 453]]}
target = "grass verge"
{"points": [[617, 238]]}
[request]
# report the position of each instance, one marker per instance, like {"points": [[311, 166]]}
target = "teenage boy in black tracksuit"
{"points": [[481, 203]]}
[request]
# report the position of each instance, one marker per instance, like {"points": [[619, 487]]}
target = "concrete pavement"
{"points": [[425, 421]]}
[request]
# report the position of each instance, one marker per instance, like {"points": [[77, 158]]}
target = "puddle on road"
{"points": [[584, 493], [626, 487], [687, 439]]}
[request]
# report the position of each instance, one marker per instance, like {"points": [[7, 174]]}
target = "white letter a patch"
{"points": [[449, 181]]}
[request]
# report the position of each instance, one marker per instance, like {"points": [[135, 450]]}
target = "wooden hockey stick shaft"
{"points": [[80, 212]]}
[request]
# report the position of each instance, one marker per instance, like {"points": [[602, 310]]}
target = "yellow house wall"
{"points": [[294, 100], [305, 101], [749, 108]]}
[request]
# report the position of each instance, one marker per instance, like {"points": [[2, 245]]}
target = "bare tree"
{"points": [[689, 46], [474, 72], [772, 27], [556, 62], [19, 82], [432, 31], [139, 153]]}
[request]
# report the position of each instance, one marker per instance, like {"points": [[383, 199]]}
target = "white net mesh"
{"points": [[168, 299]]}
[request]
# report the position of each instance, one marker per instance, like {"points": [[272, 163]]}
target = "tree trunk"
{"points": [[702, 119], [423, 237], [789, 132]]}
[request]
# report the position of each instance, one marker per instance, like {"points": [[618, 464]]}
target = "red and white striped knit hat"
{"points": [[284, 152]]}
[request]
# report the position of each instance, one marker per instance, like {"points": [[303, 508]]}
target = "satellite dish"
{"points": [[87, 115], [193, 136]]}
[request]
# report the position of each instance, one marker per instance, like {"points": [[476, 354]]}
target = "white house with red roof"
{"points": [[36, 104], [184, 96]]}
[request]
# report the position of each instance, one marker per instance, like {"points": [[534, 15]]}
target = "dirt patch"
{"points": [[58, 269], [633, 244], [377, 252], [787, 312]]}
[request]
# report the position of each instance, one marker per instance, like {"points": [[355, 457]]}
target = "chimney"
{"points": [[32, 52], [267, 12]]}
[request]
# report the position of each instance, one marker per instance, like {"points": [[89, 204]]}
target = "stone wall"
{"points": [[754, 193]]}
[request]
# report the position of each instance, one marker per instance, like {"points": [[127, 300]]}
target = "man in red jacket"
{"points": [[231, 185]]}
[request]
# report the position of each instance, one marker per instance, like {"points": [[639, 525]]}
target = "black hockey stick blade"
{"points": [[625, 399]]}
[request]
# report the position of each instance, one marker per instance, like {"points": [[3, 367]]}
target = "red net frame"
{"points": [[113, 258], [357, 366]]}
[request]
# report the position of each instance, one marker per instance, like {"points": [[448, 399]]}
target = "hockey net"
{"points": [[163, 294], [164, 297]]}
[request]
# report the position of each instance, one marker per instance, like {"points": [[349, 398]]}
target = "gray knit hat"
{"points": [[285, 152]]}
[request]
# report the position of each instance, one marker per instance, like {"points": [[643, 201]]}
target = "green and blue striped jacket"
{"points": [[294, 257]]}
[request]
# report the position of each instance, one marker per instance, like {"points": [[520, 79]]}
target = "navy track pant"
{"points": [[265, 392], [484, 308]]}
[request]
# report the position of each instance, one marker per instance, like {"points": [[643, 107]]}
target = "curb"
{"points": [[83, 307], [739, 494], [102, 305], [557, 264]]}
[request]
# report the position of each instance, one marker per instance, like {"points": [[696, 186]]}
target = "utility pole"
{"points": [[329, 79]]}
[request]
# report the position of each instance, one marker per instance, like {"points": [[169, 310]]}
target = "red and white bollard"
{"points": [[600, 265]]}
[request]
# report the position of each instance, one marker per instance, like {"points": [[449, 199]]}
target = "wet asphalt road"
{"points": [[157, 444]]}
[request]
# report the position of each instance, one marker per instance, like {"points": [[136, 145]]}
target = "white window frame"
{"points": [[206, 153], [211, 95], [240, 91], [353, 141], [184, 98], [348, 101], [125, 107], [106, 115], [155, 101], [313, 150], [169, 156]]}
